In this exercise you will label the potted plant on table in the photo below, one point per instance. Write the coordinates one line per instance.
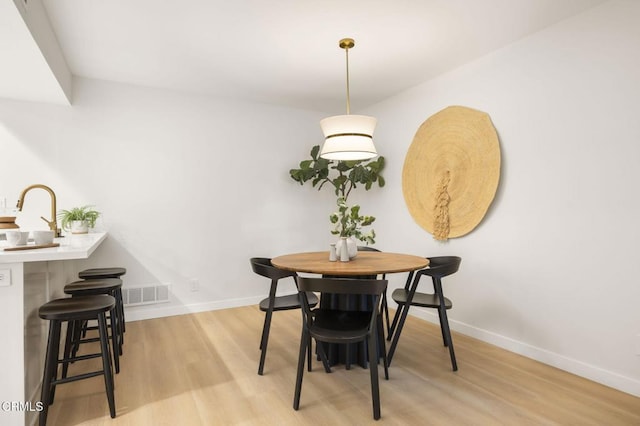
(343, 177)
(78, 220)
(349, 225)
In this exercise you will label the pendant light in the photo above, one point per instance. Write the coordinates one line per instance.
(348, 137)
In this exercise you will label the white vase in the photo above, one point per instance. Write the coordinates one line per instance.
(79, 227)
(343, 250)
(352, 246)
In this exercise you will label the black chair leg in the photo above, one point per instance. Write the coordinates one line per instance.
(364, 350)
(448, 342)
(119, 310)
(106, 363)
(85, 325)
(120, 305)
(401, 306)
(50, 370)
(385, 310)
(383, 349)
(265, 340)
(396, 334)
(79, 333)
(264, 329)
(442, 320)
(115, 338)
(394, 323)
(373, 369)
(403, 316)
(69, 344)
(303, 343)
(309, 348)
(444, 323)
(323, 357)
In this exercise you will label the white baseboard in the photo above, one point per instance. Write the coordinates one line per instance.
(138, 313)
(579, 368)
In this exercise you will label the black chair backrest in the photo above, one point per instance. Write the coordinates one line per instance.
(441, 266)
(262, 266)
(367, 248)
(342, 285)
(371, 287)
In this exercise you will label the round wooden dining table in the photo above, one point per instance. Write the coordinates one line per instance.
(365, 263)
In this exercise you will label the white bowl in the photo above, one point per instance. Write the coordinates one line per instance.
(17, 238)
(43, 237)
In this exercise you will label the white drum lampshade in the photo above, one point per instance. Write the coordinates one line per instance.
(348, 137)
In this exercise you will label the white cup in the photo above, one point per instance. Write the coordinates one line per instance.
(24, 237)
(17, 238)
(13, 237)
(43, 237)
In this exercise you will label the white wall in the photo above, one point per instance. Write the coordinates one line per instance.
(191, 187)
(552, 271)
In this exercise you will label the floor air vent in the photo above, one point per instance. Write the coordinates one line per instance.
(148, 295)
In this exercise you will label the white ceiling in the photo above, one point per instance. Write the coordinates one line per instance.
(24, 71)
(284, 51)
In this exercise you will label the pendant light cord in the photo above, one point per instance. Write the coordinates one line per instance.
(346, 44)
(346, 51)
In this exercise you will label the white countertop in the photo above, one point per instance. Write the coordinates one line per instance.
(78, 246)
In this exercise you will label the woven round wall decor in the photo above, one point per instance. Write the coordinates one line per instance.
(451, 171)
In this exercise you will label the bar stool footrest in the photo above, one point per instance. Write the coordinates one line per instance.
(78, 377)
(79, 358)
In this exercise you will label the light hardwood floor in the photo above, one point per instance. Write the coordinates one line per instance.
(201, 369)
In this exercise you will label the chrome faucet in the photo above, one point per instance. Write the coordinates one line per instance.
(53, 224)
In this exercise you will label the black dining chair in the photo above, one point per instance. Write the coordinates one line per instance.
(342, 327)
(262, 266)
(438, 268)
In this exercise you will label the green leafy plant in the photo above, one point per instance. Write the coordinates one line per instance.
(86, 213)
(343, 177)
(349, 223)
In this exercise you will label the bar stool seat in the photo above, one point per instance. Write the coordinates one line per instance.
(112, 272)
(69, 310)
(93, 286)
(109, 286)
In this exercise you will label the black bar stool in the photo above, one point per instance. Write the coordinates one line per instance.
(108, 286)
(109, 272)
(70, 310)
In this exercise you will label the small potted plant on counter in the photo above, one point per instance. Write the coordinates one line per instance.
(78, 220)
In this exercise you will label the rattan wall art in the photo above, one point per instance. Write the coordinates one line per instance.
(451, 171)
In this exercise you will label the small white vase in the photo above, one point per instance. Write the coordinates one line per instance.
(352, 246)
(79, 227)
(343, 250)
